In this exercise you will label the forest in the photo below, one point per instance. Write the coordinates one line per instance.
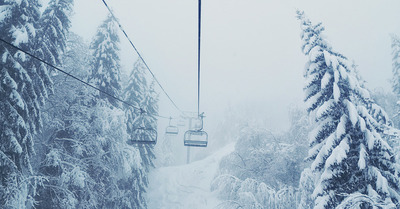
(81, 128)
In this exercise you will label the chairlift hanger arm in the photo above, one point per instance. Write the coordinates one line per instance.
(198, 61)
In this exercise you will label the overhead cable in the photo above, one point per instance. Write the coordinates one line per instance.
(140, 56)
(80, 80)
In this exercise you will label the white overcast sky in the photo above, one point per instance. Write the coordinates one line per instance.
(251, 55)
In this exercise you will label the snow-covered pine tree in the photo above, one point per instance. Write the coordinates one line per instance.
(19, 105)
(106, 62)
(141, 95)
(135, 94)
(67, 139)
(54, 26)
(49, 45)
(396, 75)
(150, 105)
(392, 132)
(396, 64)
(106, 75)
(50, 41)
(85, 156)
(347, 151)
(385, 126)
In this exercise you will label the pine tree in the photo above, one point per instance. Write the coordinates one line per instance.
(151, 107)
(19, 105)
(392, 132)
(106, 67)
(67, 140)
(86, 159)
(347, 150)
(55, 24)
(396, 64)
(141, 95)
(396, 75)
(50, 42)
(135, 94)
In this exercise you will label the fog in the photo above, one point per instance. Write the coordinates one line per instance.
(251, 57)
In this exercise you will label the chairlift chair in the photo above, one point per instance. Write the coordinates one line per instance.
(196, 138)
(171, 129)
(144, 136)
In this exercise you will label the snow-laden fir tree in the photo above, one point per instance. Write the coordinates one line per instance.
(106, 76)
(19, 105)
(347, 151)
(396, 64)
(121, 191)
(106, 62)
(150, 105)
(141, 95)
(135, 94)
(396, 75)
(67, 139)
(385, 125)
(54, 26)
(50, 41)
(84, 154)
(392, 132)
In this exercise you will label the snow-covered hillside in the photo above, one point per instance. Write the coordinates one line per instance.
(185, 186)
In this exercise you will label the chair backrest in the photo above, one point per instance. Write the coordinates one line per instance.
(194, 138)
(143, 135)
(171, 130)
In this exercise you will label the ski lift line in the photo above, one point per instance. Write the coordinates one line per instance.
(80, 80)
(140, 56)
(198, 62)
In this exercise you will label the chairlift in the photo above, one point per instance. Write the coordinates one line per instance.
(196, 137)
(142, 134)
(171, 130)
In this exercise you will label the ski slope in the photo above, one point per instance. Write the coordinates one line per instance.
(185, 186)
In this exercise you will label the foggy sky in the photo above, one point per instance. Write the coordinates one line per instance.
(251, 55)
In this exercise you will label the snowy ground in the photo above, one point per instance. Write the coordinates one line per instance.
(185, 186)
